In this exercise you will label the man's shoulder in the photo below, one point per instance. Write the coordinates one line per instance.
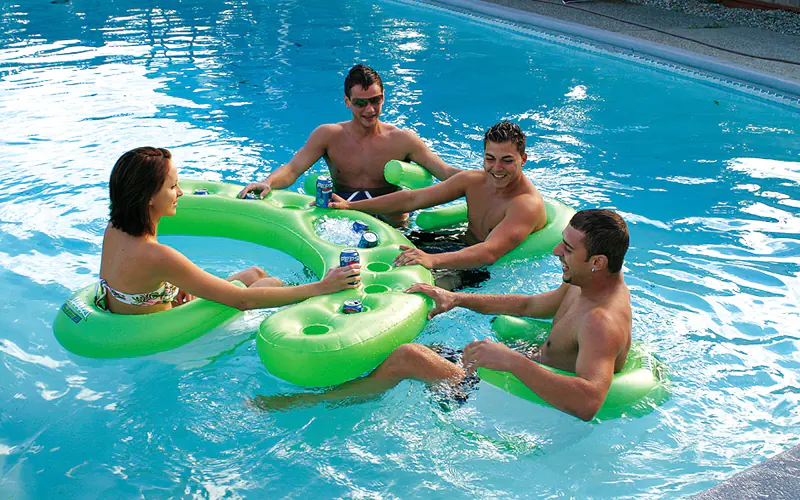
(606, 324)
(396, 133)
(331, 128)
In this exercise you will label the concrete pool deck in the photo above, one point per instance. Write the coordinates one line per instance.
(777, 76)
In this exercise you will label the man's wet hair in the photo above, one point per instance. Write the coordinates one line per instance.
(506, 132)
(606, 234)
(136, 177)
(363, 75)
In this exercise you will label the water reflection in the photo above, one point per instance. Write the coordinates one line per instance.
(234, 88)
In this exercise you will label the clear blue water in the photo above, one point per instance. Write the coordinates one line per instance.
(707, 178)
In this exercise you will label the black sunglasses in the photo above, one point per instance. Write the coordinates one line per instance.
(362, 103)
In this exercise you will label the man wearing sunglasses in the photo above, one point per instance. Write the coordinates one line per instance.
(357, 150)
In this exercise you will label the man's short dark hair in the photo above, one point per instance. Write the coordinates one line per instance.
(606, 234)
(362, 75)
(136, 177)
(506, 132)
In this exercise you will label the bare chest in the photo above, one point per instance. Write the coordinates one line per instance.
(560, 350)
(485, 212)
(359, 163)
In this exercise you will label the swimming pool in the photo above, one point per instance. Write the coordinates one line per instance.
(706, 175)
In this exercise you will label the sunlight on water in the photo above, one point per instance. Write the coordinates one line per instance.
(707, 178)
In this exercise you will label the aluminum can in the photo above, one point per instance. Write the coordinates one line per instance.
(352, 307)
(360, 227)
(368, 240)
(324, 191)
(349, 256)
(200, 191)
(251, 196)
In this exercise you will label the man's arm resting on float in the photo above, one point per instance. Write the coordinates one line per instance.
(581, 395)
(179, 270)
(422, 155)
(285, 175)
(408, 200)
(542, 305)
(518, 223)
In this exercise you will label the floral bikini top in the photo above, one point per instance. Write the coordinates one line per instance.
(164, 295)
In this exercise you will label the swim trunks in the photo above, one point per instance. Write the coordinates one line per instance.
(458, 394)
(354, 194)
(445, 241)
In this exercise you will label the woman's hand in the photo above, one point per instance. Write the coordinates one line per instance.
(341, 278)
(182, 298)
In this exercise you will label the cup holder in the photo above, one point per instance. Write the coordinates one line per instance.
(316, 329)
(378, 267)
(292, 207)
(373, 289)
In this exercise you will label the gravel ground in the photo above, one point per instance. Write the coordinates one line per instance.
(781, 21)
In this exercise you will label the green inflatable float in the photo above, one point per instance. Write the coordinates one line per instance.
(90, 331)
(413, 176)
(311, 343)
(634, 391)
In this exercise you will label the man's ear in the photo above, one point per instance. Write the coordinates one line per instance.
(598, 262)
(524, 158)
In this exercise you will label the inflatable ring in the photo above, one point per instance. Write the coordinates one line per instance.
(311, 343)
(634, 391)
(542, 242)
(87, 330)
(413, 176)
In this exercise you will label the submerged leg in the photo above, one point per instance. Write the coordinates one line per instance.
(256, 277)
(409, 361)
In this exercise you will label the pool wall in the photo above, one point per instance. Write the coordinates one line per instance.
(684, 61)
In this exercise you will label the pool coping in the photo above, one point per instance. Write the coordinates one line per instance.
(749, 79)
(778, 477)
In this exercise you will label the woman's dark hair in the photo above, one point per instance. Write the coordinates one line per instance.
(506, 132)
(361, 75)
(606, 234)
(137, 176)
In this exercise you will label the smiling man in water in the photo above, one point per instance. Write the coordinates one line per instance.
(590, 337)
(357, 150)
(504, 207)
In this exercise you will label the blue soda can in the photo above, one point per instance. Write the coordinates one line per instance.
(349, 256)
(368, 240)
(352, 307)
(251, 196)
(324, 191)
(200, 191)
(360, 227)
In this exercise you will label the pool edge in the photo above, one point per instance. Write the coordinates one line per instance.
(777, 477)
(789, 88)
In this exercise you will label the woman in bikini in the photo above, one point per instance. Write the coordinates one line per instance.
(139, 275)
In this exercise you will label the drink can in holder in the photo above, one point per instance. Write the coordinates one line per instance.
(368, 240)
(352, 307)
(324, 191)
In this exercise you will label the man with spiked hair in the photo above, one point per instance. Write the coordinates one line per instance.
(590, 337)
(504, 207)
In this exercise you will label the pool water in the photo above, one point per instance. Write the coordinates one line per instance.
(707, 177)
